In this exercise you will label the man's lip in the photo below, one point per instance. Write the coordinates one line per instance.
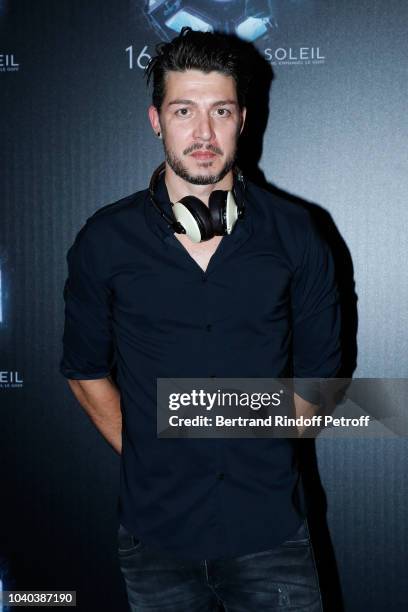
(203, 154)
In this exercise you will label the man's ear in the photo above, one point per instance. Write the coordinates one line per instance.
(243, 117)
(154, 119)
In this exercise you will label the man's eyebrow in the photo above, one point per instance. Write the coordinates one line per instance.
(224, 102)
(192, 103)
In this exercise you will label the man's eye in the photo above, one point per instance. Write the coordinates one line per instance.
(223, 112)
(182, 111)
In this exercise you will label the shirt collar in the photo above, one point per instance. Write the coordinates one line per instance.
(155, 221)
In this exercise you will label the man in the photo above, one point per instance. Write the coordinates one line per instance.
(203, 522)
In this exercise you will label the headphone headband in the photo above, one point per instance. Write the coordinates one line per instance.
(171, 221)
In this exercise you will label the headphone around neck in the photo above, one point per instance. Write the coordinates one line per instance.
(198, 221)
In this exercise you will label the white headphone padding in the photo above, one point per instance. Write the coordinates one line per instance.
(184, 216)
(231, 212)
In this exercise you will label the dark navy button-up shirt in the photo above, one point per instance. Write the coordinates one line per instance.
(136, 304)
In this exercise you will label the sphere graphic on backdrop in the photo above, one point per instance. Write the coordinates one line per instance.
(248, 20)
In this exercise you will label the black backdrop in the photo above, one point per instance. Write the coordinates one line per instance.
(75, 137)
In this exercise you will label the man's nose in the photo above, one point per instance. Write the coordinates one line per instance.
(204, 128)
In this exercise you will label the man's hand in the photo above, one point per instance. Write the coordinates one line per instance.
(100, 398)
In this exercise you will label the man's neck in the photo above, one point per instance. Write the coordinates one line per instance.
(179, 188)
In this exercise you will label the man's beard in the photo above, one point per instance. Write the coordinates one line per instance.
(177, 166)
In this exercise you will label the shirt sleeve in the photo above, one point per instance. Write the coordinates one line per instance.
(316, 316)
(88, 348)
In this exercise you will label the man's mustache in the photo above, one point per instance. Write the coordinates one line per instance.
(197, 147)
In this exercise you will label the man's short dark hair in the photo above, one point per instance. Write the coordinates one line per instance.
(205, 51)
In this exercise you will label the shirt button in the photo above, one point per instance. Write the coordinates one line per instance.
(220, 475)
(208, 327)
(204, 279)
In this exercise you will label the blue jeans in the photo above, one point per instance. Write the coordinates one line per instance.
(282, 578)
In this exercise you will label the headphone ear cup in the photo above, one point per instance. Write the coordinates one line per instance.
(231, 212)
(216, 204)
(224, 211)
(195, 217)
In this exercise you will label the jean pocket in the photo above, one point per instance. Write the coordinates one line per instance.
(127, 542)
(300, 538)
